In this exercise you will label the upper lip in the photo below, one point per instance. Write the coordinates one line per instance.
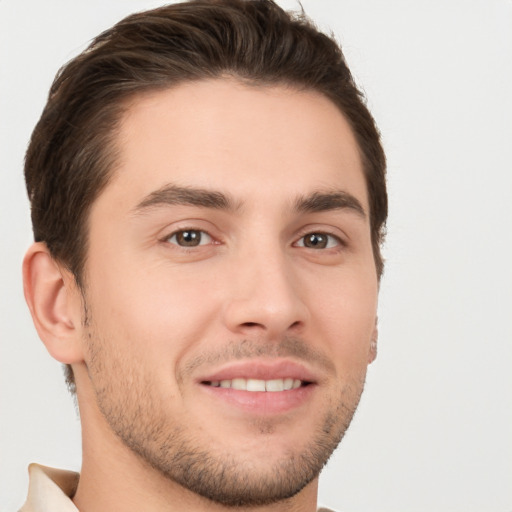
(262, 370)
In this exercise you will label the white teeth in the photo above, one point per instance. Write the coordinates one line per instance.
(255, 385)
(272, 385)
(239, 384)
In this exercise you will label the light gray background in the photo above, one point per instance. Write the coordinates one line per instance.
(434, 428)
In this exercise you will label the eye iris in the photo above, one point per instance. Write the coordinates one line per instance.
(188, 238)
(315, 241)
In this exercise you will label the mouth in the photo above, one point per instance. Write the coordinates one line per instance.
(261, 387)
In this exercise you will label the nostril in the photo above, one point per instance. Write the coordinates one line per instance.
(253, 325)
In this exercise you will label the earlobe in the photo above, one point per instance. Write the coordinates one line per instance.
(54, 303)
(372, 353)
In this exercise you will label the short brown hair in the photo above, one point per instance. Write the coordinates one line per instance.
(72, 152)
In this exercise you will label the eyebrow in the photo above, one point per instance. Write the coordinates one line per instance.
(326, 201)
(170, 195)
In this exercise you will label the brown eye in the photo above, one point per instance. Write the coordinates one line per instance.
(319, 241)
(190, 238)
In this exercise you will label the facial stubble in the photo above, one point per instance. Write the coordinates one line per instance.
(140, 420)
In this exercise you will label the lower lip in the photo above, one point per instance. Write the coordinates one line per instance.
(262, 402)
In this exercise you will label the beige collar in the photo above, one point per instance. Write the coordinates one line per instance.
(50, 490)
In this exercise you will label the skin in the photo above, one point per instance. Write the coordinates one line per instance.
(156, 318)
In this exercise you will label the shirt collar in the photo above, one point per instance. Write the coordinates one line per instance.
(50, 490)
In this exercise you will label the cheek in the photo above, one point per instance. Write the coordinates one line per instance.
(153, 314)
(346, 312)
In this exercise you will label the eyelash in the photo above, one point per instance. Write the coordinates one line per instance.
(333, 241)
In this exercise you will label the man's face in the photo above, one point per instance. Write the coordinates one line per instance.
(231, 289)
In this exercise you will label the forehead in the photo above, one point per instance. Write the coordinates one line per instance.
(256, 141)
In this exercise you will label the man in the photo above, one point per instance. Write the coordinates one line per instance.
(208, 202)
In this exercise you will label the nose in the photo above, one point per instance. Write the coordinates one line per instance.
(265, 297)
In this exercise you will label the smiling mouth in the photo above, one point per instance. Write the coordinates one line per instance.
(257, 385)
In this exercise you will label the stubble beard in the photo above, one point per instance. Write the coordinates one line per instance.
(141, 423)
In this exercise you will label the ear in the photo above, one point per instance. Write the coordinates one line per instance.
(55, 303)
(372, 353)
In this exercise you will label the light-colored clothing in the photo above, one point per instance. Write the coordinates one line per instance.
(51, 490)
